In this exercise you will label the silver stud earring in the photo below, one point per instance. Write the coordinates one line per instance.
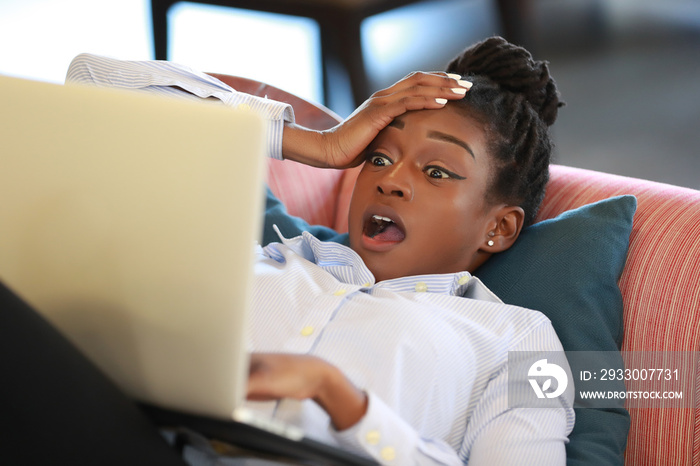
(490, 243)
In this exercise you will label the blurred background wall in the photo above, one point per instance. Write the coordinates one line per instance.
(629, 70)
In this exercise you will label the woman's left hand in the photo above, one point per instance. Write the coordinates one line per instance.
(274, 376)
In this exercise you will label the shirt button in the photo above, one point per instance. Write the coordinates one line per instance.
(421, 287)
(306, 331)
(388, 454)
(464, 279)
(373, 437)
(366, 285)
(340, 292)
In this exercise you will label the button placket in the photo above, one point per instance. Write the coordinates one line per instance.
(373, 437)
(315, 325)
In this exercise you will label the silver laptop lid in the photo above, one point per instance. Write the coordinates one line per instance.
(128, 221)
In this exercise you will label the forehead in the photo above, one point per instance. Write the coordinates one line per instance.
(449, 121)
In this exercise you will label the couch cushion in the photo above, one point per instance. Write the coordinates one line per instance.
(307, 192)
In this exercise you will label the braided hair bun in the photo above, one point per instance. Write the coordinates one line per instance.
(514, 70)
(516, 100)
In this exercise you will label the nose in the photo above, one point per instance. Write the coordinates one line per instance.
(396, 182)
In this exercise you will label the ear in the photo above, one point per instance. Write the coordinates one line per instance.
(508, 222)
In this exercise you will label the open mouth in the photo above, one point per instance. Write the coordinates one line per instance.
(383, 229)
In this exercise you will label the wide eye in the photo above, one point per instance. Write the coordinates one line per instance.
(438, 173)
(379, 160)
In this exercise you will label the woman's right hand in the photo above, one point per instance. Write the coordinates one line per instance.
(343, 145)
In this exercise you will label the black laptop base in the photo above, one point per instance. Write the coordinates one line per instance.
(306, 451)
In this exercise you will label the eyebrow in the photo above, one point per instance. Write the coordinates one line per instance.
(454, 140)
(399, 124)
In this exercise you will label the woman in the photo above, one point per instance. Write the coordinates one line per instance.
(445, 185)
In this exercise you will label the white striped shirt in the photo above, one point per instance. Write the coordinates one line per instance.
(169, 79)
(429, 350)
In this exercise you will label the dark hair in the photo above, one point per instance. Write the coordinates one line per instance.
(517, 100)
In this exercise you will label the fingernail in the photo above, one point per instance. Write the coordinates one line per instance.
(459, 90)
(465, 84)
(441, 101)
(454, 76)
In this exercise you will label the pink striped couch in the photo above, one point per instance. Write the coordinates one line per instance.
(660, 283)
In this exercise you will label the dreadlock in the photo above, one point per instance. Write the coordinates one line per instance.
(517, 100)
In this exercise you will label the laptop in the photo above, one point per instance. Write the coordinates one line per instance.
(128, 221)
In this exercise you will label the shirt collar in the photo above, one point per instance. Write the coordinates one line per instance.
(347, 266)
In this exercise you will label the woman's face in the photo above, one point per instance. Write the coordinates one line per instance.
(419, 202)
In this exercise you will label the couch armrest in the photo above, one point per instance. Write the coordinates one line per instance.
(660, 287)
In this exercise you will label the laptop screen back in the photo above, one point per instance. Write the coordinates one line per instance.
(128, 221)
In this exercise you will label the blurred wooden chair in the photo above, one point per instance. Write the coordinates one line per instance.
(339, 21)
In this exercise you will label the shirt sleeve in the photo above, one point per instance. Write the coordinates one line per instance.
(497, 434)
(389, 440)
(505, 431)
(171, 79)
